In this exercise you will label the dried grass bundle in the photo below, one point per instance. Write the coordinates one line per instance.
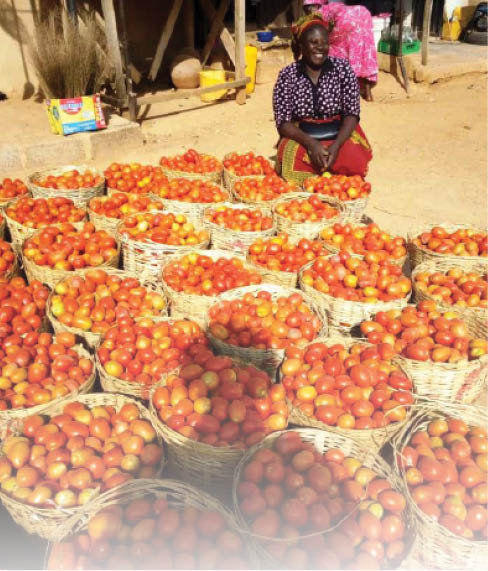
(67, 57)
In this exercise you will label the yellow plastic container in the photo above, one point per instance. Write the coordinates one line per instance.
(251, 58)
(209, 77)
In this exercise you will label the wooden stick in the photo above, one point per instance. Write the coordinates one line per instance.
(426, 31)
(164, 39)
(225, 36)
(114, 47)
(189, 14)
(217, 25)
(406, 83)
(240, 33)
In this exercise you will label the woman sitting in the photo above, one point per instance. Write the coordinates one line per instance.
(316, 109)
(351, 38)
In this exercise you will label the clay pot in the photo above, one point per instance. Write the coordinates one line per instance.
(185, 70)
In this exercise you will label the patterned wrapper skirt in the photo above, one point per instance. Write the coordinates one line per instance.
(352, 159)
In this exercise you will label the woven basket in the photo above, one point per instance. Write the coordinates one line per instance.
(309, 230)
(7, 417)
(342, 314)
(370, 439)
(230, 178)
(19, 233)
(211, 177)
(194, 306)
(267, 359)
(283, 279)
(476, 318)
(90, 338)
(334, 250)
(226, 239)
(149, 257)
(422, 254)
(178, 495)
(51, 277)
(322, 441)
(436, 547)
(12, 272)
(80, 196)
(462, 381)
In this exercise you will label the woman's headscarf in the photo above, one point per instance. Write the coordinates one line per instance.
(303, 24)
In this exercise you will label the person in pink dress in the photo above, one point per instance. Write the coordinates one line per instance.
(351, 38)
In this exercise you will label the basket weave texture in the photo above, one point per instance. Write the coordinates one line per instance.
(211, 177)
(353, 209)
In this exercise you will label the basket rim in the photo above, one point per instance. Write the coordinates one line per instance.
(353, 201)
(61, 170)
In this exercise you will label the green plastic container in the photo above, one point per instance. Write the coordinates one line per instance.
(391, 47)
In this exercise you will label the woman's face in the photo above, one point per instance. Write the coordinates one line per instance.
(315, 46)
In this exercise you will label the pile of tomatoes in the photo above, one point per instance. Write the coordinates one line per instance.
(142, 351)
(291, 492)
(464, 242)
(191, 190)
(66, 460)
(122, 204)
(353, 279)
(7, 257)
(218, 402)
(263, 189)
(343, 187)
(12, 188)
(22, 306)
(454, 287)
(192, 162)
(40, 212)
(422, 333)
(197, 274)
(248, 164)
(151, 533)
(280, 255)
(445, 466)
(239, 219)
(310, 209)
(171, 229)
(134, 178)
(65, 248)
(368, 241)
(71, 180)
(258, 321)
(94, 301)
(350, 388)
(38, 368)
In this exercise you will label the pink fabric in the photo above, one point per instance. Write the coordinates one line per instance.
(312, 2)
(352, 38)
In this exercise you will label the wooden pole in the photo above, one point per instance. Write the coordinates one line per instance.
(225, 36)
(240, 34)
(131, 97)
(215, 29)
(400, 49)
(189, 14)
(426, 31)
(164, 39)
(114, 49)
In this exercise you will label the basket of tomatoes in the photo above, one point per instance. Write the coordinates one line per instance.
(193, 165)
(347, 387)
(262, 191)
(27, 215)
(458, 286)
(168, 525)
(55, 252)
(10, 190)
(212, 409)
(246, 166)
(192, 281)
(78, 183)
(190, 196)
(279, 259)
(311, 499)
(303, 216)
(236, 226)
(441, 457)
(149, 238)
(456, 242)
(255, 324)
(348, 290)
(41, 374)
(352, 191)
(63, 464)
(435, 349)
(8, 261)
(106, 211)
(365, 241)
(134, 354)
(88, 304)
(133, 178)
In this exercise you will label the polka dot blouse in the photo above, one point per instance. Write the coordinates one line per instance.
(295, 96)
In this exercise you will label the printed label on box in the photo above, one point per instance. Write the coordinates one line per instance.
(75, 115)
